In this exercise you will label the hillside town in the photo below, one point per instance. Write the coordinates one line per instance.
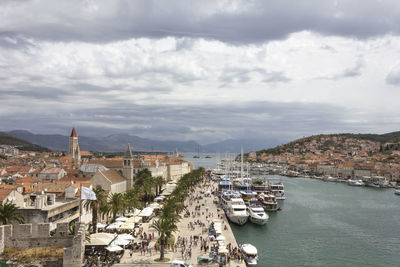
(45, 191)
(334, 156)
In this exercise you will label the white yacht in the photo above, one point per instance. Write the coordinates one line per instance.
(257, 214)
(276, 187)
(250, 254)
(226, 197)
(236, 211)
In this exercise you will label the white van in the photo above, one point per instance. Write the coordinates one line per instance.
(178, 263)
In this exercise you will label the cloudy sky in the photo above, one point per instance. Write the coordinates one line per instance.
(200, 70)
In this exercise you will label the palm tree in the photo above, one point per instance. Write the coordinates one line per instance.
(131, 199)
(8, 214)
(116, 204)
(147, 189)
(158, 182)
(164, 227)
(95, 204)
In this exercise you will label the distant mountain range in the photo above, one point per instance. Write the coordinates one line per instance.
(118, 142)
(6, 139)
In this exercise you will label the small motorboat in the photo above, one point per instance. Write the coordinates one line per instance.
(250, 254)
(397, 192)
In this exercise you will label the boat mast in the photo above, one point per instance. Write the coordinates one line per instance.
(241, 162)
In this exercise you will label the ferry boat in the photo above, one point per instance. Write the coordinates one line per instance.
(236, 211)
(250, 254)
(257, 214)
(276, 187)
(268, 201)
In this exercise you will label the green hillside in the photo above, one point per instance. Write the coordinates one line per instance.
(6, 139)
(393, 137)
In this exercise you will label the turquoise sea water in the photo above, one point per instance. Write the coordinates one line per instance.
(326, 224)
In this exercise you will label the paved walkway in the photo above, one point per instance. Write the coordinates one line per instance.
(195, 225)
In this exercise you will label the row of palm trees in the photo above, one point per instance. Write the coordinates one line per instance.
(143, 191)
(169, 216)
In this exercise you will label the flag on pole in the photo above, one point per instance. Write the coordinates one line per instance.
(87, 193)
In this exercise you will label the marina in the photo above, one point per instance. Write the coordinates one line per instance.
(321, 222)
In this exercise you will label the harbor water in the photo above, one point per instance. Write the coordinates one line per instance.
(326, 224)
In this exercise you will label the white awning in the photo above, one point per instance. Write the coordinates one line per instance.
(146, 212)
(121, 219)
(126, 236)
(220, 237)
(120, 242)
(114, 248)
(100, 239)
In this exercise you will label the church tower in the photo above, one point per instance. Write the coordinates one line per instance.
(73, 150)
(127, 170)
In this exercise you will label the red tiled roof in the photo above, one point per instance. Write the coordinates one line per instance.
(73, 133)
(113, 176)
(4, 193)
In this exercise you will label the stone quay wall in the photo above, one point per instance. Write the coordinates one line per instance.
(38, 235)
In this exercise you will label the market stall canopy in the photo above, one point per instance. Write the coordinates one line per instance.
(121, 219)
(146, 212)
(126, 236)
(220, 237)
(134, 219)
(101, 239)
(120, 242)
(127, 226)
(115, 225)
(114, 248)
(101, 225)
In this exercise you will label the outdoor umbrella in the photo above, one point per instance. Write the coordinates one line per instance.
(114, 248)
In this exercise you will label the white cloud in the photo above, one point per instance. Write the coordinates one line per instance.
(87, 81)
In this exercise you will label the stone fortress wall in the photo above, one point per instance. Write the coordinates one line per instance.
(38, 235)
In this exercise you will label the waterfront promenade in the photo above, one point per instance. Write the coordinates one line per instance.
(202, 212)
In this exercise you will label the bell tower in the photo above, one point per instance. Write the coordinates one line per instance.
(127, 170)
(73, 150)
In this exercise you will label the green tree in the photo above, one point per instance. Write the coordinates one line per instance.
(159, 182)
(8, 214)
(164, 227)
(131, 199)
(116, 204)
(94, 205)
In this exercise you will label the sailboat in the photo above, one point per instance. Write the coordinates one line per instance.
(198, 153)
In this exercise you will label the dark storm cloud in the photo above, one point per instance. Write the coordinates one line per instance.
(231, 21)
(177, 122)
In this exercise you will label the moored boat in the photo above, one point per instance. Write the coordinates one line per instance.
(250, 254)
(236, 211)
(356, 183)
(268, 201)
(257, 214)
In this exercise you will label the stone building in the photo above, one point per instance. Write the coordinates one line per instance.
(73, 149)
(111, 181)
